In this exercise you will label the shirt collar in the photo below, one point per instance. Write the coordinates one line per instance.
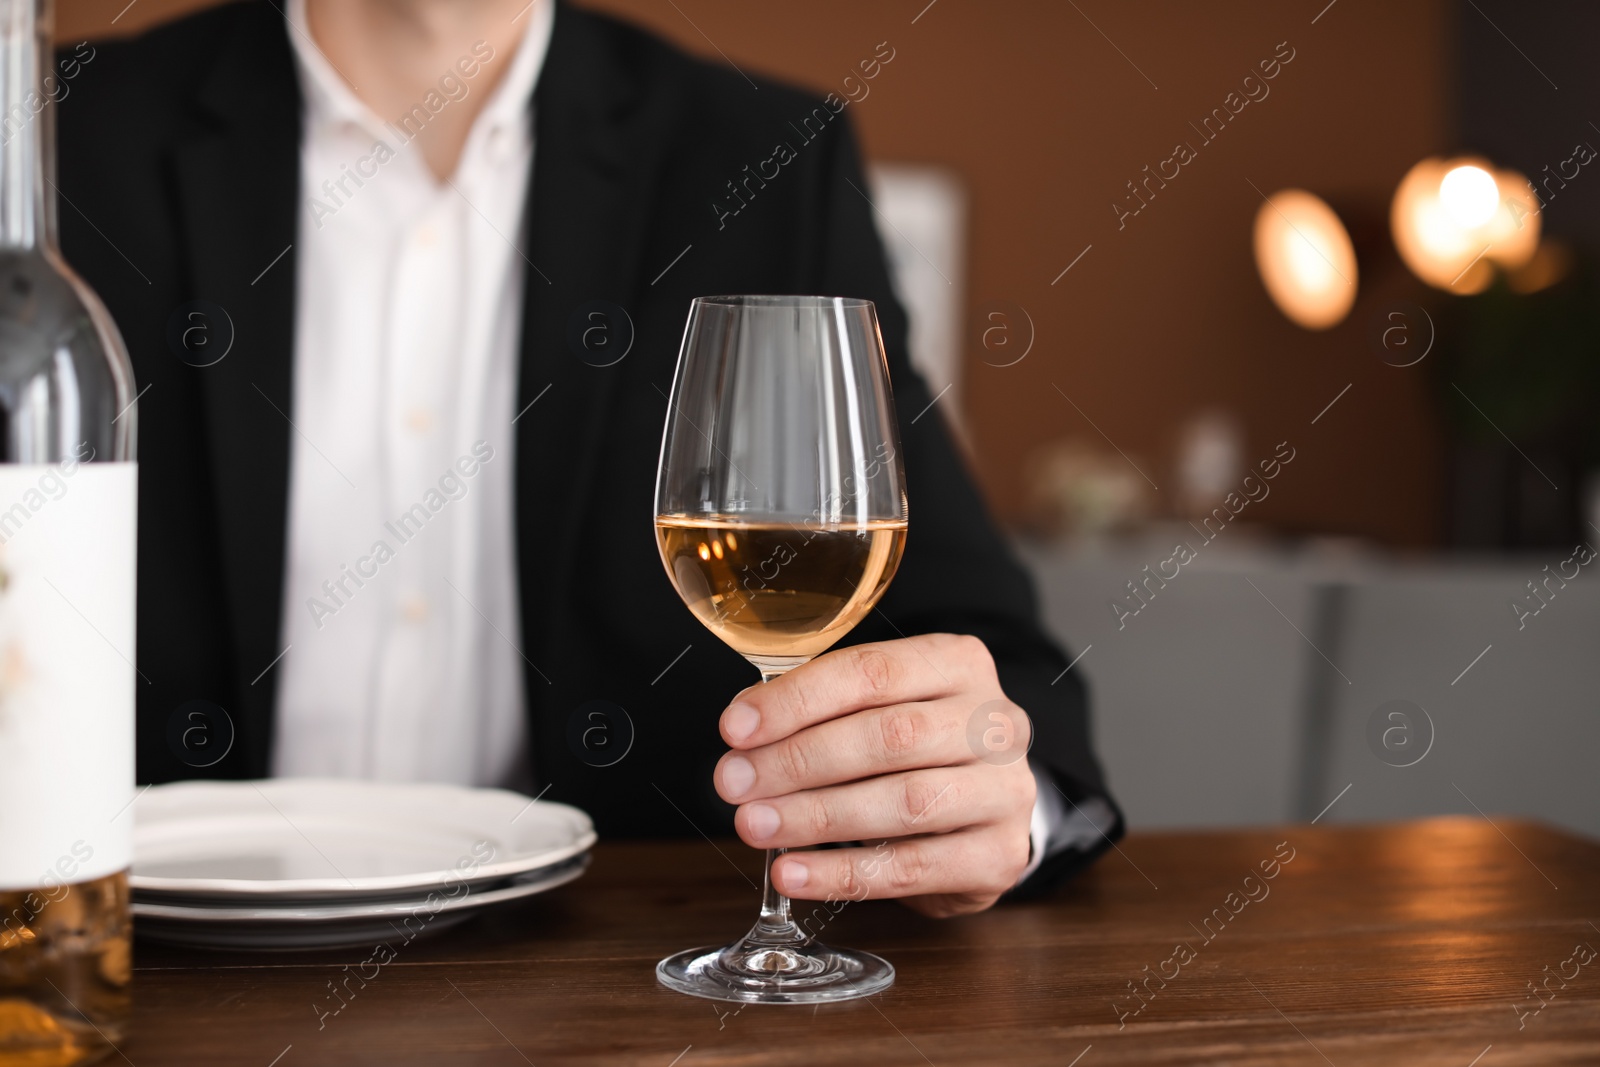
(330, 101)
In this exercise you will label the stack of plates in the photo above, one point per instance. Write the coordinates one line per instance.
(290, 863)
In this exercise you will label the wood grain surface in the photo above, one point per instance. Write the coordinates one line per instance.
(1413, 944)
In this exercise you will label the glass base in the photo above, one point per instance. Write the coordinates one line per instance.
(755, 970)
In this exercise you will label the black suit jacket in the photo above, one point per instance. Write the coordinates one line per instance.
(179, 176)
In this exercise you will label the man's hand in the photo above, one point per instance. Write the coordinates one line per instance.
(882, 743)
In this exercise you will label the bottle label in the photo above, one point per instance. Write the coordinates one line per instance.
(66, 671)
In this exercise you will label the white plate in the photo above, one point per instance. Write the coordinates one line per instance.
(286, 840)
(395, 922)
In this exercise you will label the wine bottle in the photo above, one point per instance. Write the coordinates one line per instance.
(67, 511)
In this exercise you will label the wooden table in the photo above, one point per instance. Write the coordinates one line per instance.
(1406, 944)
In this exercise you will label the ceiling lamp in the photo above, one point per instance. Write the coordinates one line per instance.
(1454, 219)
(1469, 195)
(1305, 257)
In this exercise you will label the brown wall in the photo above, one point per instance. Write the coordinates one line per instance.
(1046, 120)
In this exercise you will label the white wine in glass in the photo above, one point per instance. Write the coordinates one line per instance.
(781, 518)
(778, 591)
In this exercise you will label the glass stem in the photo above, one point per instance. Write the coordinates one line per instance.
(774, 905)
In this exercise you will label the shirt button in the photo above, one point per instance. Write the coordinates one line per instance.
(419, 420)
(499, 144)
(413, 608)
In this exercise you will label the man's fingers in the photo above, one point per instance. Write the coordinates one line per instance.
(864, 676)
(895, 805)
(977, 861)
(901, 737)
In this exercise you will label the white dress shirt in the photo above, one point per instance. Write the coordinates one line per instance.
(400, 589)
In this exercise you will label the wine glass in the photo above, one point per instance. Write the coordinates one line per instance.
(781, 517)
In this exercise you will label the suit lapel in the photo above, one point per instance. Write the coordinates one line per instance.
(238, 182)
(599, 143)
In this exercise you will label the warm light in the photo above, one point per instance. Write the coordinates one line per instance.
(1451, 228)
(1306, 260)
(732, 544)
(1470, 195)
(1552, 261)
(1513, 231)
(705, 551)
(716, 549)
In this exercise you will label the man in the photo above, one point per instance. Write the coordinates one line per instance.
(394, 518)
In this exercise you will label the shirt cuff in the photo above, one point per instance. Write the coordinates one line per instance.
(1053, 829)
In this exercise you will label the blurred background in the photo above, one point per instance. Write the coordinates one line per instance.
(1369, 411)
